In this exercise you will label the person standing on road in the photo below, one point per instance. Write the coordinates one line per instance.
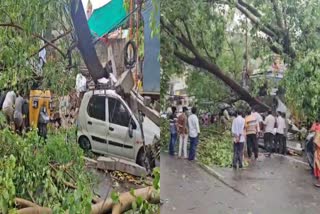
(173, 131)
(237, 130)
(194, 132)
(17, 116)
(316, 169)
(286, 130)
(183, 133)
(269, 123)
(259, 118)
(280, 143)
(8, 106)
(252, 129)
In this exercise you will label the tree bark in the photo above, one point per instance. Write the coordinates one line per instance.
(125, 201)
(35, 210)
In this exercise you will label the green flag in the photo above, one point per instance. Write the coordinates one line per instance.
(107, 18)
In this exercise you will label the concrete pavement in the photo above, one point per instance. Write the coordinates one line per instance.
(271, 185)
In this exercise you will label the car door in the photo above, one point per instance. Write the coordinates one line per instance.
(96, 123)
(119, 117)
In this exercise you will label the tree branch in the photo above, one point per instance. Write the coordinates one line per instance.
(52, 41)
(200, 62)
(278, 14)
(250, 8)
(182, 39)
(187, 30)
(34, 35)
(186, 58)
(205, 48)
(256, 21)
(274, 48)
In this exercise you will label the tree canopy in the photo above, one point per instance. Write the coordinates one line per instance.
(199, 32)
(23, 33)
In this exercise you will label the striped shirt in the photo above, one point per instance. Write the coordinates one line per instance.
(251, 124)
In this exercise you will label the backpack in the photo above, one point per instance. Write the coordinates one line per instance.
(2, 98)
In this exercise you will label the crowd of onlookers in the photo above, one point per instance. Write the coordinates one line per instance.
(15, 108)
(184, 126)
(248, 127)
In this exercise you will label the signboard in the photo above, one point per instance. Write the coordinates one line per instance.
(151, 64)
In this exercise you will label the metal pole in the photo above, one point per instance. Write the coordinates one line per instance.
(246, 53)
(131, 18)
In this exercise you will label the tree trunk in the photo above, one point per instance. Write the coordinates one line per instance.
(244, 95)
(125, 201)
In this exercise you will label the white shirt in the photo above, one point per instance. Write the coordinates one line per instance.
(238, 128)
(10, 100)
(81, 83)
(269, 122)
(281, 125)
(193, 124)
(258, 116)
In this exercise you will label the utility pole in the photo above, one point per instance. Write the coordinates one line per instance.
(246, 74)
(131, 19)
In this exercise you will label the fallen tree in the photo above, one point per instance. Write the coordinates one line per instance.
(124, 204)
(125, 201)
(198, 60)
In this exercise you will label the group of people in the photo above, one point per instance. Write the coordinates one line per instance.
(184, 126)
(15, 108)
(247, 129)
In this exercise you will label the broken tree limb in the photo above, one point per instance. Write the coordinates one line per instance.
(20, 202)
(66, 183)
(126, 199)
(96, 199)
(102, 207)
(35, 210)
(52, 41)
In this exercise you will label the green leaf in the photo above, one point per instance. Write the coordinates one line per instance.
(115, 197)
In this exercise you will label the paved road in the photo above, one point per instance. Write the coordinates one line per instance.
(271, 185)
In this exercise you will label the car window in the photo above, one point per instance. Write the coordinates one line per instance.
(97, 107)
(118, 113)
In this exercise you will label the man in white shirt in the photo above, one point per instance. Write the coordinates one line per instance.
(81, 87)
(281, 128)
(194, 131)
(259, 118)
(8, 106)
(269, 123)
(238, 125)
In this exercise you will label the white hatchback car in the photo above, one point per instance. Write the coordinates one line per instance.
(106, 125)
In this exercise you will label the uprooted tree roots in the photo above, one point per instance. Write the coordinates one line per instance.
(103, 206)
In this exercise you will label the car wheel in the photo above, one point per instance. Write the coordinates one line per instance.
(146, 162)
(84, 143)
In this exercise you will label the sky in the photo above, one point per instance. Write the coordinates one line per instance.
(95, 3)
